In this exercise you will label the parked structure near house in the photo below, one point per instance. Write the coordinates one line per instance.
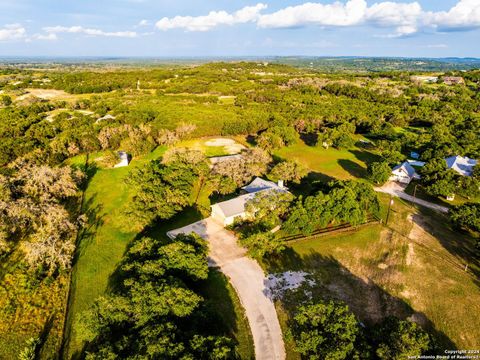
(453, 80)
(462, 165)
(124, 159)
(404, 173)
(416, 163)
(227, 212)
(414, 155)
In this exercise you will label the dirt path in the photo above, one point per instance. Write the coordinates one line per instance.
(396, 189)
(248, 279)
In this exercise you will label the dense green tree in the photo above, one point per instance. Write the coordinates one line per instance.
(466, 216)
(152, 315)
(399, 339)
(378, 172)
(262, 243)
(325, 330)
(166, 187)
(287, 171)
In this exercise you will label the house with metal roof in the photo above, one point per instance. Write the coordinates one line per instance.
(404, 173)
(227, 212)
(461, 164)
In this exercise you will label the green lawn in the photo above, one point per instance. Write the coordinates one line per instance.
(104, 241)
(329, 163)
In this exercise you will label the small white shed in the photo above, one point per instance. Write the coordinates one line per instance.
(124, 159)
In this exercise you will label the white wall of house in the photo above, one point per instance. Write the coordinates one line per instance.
(404, 179)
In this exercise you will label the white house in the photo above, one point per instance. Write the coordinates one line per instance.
(404, 173)
(124, 159)
(227, 211)
(462, 165)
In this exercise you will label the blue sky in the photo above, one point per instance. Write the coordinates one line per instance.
(160, 28)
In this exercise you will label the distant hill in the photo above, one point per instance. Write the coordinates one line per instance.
(324, 64)
(378, 64)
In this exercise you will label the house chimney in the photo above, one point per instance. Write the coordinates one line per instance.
(280, 183)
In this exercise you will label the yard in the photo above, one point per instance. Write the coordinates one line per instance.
(329, 163)
(413, 268)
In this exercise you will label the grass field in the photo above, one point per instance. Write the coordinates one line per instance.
(413, 268)
(102, 245)
(329, 163)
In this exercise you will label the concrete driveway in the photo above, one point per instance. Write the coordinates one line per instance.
(396, 189)
(248, 279)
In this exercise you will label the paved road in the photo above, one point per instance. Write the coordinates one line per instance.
(397, 189)
(247, 278)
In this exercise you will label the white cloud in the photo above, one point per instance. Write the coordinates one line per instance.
(335, 14)
(212, 20)
(12, 32)
(464, 15)
(404, 18)
(49, 36)
(143, 23)
(88, 31)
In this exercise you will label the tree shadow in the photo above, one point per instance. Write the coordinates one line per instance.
(43, 336)
(311, 183)
(463, 247)
(309, 139)
(217, 314)
(86, 235)
(368, 301)
(352, 168)
(156, 230)
(365, 156)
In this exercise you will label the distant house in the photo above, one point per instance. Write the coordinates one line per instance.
(404, 173)
(124, 159)
(227, 212)
(424, 79)
(453, 80)
(462, 165)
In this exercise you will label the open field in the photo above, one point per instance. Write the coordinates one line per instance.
(413, 268)
(329, 163)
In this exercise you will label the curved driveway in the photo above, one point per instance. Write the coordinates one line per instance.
(247, 278)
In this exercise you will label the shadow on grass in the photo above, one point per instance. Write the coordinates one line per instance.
(368, 301)
(157, 230)
(366, 156)
(352, 168)
(457, 242)
(94, 221)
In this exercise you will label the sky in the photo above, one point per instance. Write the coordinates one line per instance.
(200, 28)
